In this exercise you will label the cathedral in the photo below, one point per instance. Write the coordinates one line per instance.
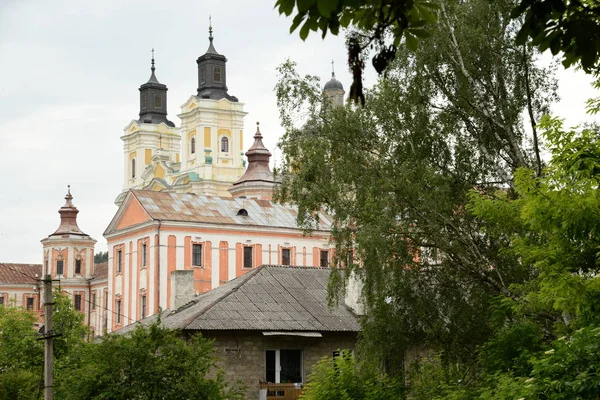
(194, 198)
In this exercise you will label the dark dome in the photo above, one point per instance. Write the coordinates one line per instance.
(334, 84)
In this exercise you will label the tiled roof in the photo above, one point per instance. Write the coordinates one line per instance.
(19, 273)
(267, 298)
(189, 207)
(101, 270)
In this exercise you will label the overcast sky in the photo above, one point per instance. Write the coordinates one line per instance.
(69, 77)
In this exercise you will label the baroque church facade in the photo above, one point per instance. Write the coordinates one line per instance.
(190, 202)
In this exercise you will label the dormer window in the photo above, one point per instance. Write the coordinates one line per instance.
(225, 144)
(193, 146)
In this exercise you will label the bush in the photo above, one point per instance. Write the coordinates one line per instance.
(344, 378)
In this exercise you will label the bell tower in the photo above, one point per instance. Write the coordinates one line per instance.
(151, 143)
(212, 123)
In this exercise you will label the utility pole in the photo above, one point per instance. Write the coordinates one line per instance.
(48, 341)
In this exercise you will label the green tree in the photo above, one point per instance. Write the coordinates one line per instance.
(396, 176)
(21, 351)
(151, 363)
(100, 257)
(379, 26)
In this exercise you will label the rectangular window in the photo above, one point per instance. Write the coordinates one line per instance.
(283, 366)
(93, 305)
(324, 258)
(118, 311)
(285, 256)
(1, 300)
(119, 261)
(78, 266)
(77, 302)
(217, 75)
(196, 255)
(60, 264)
(143, 306)
(248, 257)
(29, 305)
(144, 252)
(157, 101)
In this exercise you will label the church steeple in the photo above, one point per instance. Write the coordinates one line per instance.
(153, 100)
(212, 73)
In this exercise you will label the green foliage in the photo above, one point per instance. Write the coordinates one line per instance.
(570, 27)
(19, 347)
(100, 257)
(152, 363)
(396, 177)
(20, 384)
(20, 355)
(346, 379)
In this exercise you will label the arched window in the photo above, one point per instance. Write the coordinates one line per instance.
(225, 144)
(193, 146)
(133, 168)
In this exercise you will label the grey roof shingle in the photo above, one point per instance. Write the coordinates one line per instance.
(270, 297)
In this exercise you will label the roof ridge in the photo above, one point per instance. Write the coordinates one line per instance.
(249, 275)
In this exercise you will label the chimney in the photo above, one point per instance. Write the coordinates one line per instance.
(182, 288)
(354, 293)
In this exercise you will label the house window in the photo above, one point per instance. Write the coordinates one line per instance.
(225, 144)
(144, 102)
(93, 305)
(143, 306)
(144, 252)
(1, 300)
(284, 366)
(193, 146)
(78, 266)
(285, 256)
(157, 101)
(119, 261)
(217, 74)
(196, 255)
(247, 257)
(77, 302)
(324, 258)
(132, 168)
(60, 265)
(118, 311)
(29, 304)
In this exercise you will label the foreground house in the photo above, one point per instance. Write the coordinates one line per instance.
(269, 326)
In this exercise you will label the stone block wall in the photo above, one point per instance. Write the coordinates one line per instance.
(241, 354)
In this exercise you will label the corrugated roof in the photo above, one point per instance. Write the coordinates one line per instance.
(188, 207)
(269, 298)
(19, 273)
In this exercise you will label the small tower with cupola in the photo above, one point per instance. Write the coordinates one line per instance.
(258, 181)
(334, 89)
(69, 256)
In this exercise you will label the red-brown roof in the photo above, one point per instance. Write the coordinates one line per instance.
(101, 270)
(19, 273)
